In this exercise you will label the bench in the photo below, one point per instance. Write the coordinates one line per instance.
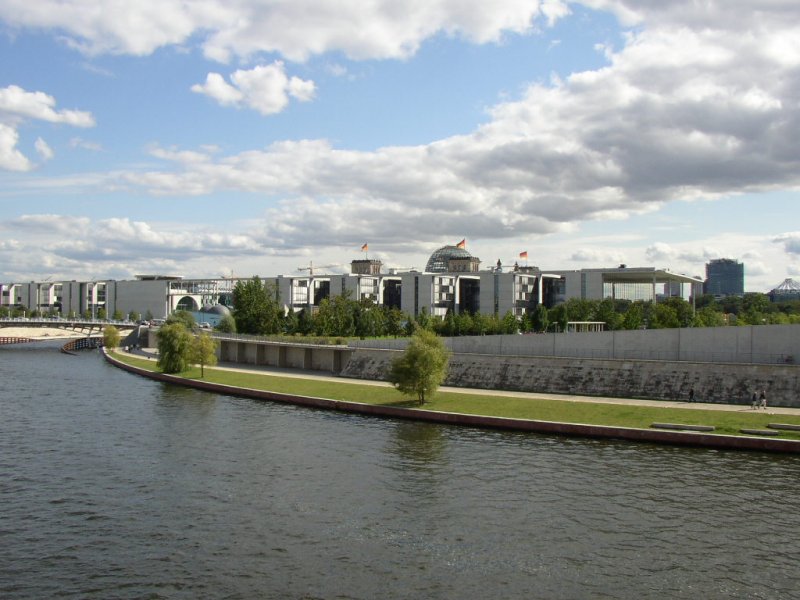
(786, 426)
(682, 427)
(760, 431)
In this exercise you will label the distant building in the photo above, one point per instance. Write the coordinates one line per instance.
(788, 290)
(451, 282)
(724, 277)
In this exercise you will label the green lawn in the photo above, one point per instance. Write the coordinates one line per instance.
(593, 413)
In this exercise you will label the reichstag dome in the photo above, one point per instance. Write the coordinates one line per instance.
(439, 260)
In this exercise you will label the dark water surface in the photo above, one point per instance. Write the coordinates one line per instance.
(112, 486)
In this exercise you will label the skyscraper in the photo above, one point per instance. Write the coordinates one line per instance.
(724, 277)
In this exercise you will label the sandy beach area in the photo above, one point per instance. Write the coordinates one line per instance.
(39, 332)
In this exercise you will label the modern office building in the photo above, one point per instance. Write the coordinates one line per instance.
(724, 277)
(452, 281)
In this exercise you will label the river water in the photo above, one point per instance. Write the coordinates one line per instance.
(113, 486)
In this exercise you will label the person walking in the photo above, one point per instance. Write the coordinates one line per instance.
(763, 399)
(691, 394)
(754, 401)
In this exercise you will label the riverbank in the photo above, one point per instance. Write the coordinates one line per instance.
(589, 417)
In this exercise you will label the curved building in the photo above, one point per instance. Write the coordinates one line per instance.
(449, 259)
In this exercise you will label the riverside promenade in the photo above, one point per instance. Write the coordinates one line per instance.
(686, 438)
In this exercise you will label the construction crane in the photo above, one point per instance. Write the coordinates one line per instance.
(310, 268)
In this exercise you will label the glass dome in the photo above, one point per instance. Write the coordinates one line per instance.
(437, 263)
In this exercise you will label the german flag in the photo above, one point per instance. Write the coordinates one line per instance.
(462, 243)
(365, 247)
(524, 255)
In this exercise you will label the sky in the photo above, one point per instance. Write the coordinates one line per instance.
(210, 138)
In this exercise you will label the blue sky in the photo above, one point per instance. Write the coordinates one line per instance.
(201, 138)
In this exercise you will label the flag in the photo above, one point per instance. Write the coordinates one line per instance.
(524, 255)
(364, 248)
(462, 243)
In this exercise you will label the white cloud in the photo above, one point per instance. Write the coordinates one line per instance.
(78, 142)
(11, 159)
(790, 242)
(295, 30)
(265, 88)
(44, 150)
(691, 107)
(16, 103)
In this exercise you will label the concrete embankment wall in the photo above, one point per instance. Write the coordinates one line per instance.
(768, 344)
(655, 380)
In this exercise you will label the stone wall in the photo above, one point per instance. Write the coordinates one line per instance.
(766, 344)
(656, 380)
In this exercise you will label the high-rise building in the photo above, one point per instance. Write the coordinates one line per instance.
(724, 277)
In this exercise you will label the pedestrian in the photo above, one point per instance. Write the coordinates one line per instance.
(691, 394)
(754, 401)
(763, 399)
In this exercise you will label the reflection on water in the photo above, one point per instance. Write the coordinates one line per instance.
(114, 486)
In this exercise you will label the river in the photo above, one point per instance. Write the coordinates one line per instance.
(113, 486)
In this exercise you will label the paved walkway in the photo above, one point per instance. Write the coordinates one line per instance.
(302, 374)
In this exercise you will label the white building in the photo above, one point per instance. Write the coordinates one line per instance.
(452, 281)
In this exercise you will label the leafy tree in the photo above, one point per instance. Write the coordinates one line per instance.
(423, 319)
(226, 324)
(174, 341)
(422, 367)
(683, 310)
(708, 316)
(605, 311)
(117, 315)
(148, 316)
(291, 322)
(203, 351)
(111, 337)
(393, 321)
(255, 307)
(539, 319)
(634, 317)
(181, 316)
(4, 312)
(338, 315)
(558, 317)
(87, 315)
(305, 323)
(102, 315)
(510, 324)
(464, 324)
(579, 309)
(664, 317)
(134, 316)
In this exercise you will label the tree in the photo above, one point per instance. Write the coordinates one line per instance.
(134, 316)
(634, 317)
(110, 337)
(422, 367)
(117, 315)
(181, 316)
(664, 317)
(255, 308)
(102, 315)
(226, 324)
(203, 351)
(539, 319)
(558, 317)
(173, 347)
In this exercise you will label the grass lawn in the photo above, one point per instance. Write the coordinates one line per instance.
(593, 413)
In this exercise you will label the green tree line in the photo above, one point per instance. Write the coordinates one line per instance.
(258, 311)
